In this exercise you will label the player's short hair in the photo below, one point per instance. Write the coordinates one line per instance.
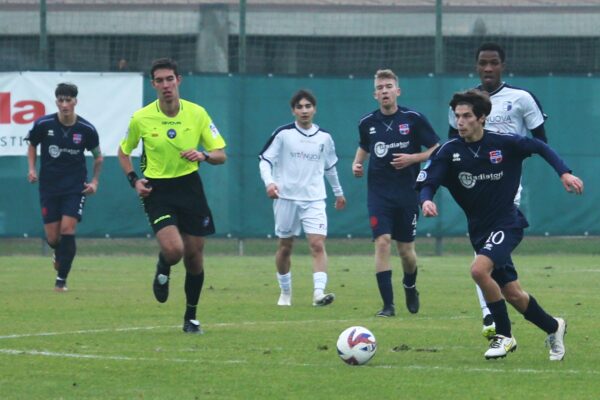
(478, 100)
(386, 74)
(303, 94)
(491, 46)
(164, 63)
(66, 89)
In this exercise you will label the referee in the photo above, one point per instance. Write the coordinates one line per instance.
(172, 130)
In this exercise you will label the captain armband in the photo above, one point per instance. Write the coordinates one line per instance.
(132, 178)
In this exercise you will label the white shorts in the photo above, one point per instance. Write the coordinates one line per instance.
(291, 216)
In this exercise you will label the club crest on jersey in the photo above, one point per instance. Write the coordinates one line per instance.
(77, 137)
(404, 129)
(171, 133)
(496, 156)
(507, 105)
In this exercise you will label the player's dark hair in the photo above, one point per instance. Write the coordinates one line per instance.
(478, 100)
(303, 94)
(491, 46)
(164, 63)
(66, 89)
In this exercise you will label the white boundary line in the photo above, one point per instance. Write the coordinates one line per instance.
(246, 323)
(476, 370)
(209, 325)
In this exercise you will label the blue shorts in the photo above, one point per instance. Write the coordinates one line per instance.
(400, 222)
(499, 246)
(55, 206)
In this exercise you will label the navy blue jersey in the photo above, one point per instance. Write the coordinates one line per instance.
(406, 131)
(483, 178)
(62, 165)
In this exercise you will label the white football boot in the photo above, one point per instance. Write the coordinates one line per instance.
(285, 299)
(500, 346)
(556, 341)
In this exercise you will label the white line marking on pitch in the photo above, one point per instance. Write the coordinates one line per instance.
(214, 325)
(288, 364)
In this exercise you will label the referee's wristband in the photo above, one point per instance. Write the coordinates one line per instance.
(132, 178)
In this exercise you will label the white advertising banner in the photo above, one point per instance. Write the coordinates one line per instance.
(107, 100)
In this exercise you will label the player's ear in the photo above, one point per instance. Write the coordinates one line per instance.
(398, 90)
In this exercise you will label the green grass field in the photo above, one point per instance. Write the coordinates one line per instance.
(107, 338)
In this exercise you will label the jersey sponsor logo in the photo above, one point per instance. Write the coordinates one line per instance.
(404, 129)
(77, 138)
(507, 105)
(381, 149)
(305, 156)
(469, 180)
(372, 130)
(214, 130)
(171, 133)
(456, 157)
(496, 156)
(498, 119)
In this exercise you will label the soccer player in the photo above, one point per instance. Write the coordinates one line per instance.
(482, 170)
(63, 138)
(392, 138)
(514, 110)
(172, 131)
(292, 165)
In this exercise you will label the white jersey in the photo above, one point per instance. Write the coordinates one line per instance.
(297, 160)
(514, 110)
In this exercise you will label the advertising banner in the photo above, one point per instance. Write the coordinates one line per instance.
(107, 100)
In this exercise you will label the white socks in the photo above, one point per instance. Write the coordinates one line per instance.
(320, 282)
(285, 282)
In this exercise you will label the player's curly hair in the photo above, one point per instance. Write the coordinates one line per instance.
(477, 99)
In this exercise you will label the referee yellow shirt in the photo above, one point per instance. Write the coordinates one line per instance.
(164, 138)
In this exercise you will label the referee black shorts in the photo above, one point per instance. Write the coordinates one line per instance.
(181, 202)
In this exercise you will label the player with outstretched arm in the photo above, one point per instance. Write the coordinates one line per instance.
(482, 171)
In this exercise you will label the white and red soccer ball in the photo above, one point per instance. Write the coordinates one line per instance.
(356, 345)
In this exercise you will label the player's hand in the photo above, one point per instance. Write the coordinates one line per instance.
(32, 176)
(272, 191)
(90, 188)
(143, 187)
(357, 170)
(402, 160)
(340, 202)
(429, 209)
(572, 183)
(192, 155)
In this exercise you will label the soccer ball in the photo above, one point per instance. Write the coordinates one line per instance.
(356, 345)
